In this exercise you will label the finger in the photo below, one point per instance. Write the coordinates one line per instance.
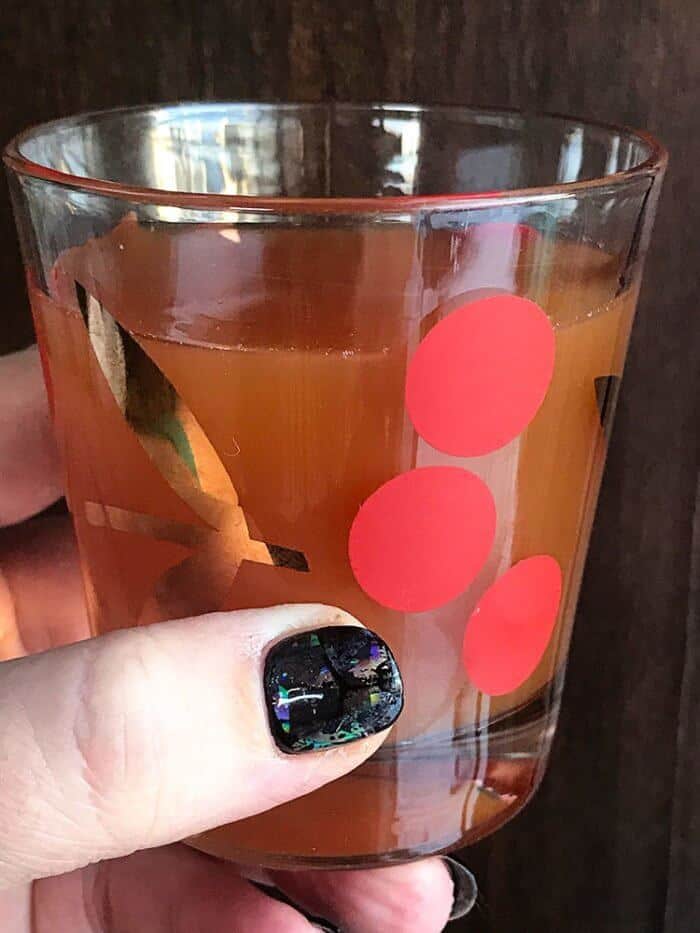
(417, 896)
(169, 890)
(29, 465)
(153, 734)
(39, 567)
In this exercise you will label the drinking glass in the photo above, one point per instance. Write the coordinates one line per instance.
(358, 355)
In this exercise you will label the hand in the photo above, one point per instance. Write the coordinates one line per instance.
(126, 743)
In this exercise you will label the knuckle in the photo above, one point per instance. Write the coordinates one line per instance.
(421, 900)
(115, 732)
(82, 772)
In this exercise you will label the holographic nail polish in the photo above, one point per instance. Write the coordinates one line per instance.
(331, 686)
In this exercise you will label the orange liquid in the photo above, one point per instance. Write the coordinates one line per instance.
(290, 349)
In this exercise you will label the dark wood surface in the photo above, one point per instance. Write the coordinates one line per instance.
(612, 842)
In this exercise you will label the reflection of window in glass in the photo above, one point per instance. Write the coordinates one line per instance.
(78, 154)
(613, 163)
(176, 162)
(248, 157)
(213, 156)
(402, 168)
(627, 154)
(488, 167)
(571, 155)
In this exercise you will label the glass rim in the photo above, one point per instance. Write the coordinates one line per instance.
(651, 166)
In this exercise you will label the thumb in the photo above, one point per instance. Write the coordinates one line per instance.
(146, 736)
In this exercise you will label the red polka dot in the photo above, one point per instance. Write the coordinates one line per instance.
(422, 537)
(479, 376)
(510, 628)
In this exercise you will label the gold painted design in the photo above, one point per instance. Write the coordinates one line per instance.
(175, 442)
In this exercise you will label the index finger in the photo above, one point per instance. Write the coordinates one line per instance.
(29, 464)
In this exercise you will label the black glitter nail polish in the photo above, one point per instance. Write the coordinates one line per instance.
(331, 686)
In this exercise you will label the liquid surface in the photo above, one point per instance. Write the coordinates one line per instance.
(275, 362)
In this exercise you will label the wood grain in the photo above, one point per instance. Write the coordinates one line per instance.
(612, 842)
(683, 897)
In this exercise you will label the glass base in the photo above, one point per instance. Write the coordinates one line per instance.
(442, 794)
(275, 862)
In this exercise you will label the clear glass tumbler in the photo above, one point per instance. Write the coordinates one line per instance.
(359, 355)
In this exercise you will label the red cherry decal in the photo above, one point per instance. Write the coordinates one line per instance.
(422, 537)
(511, 626)
(480, 375)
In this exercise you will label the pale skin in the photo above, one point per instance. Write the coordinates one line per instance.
(114, 748)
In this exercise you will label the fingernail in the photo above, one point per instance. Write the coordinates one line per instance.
(465, 889)
(331, 686)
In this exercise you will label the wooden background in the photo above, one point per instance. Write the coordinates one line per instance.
(612, 842)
